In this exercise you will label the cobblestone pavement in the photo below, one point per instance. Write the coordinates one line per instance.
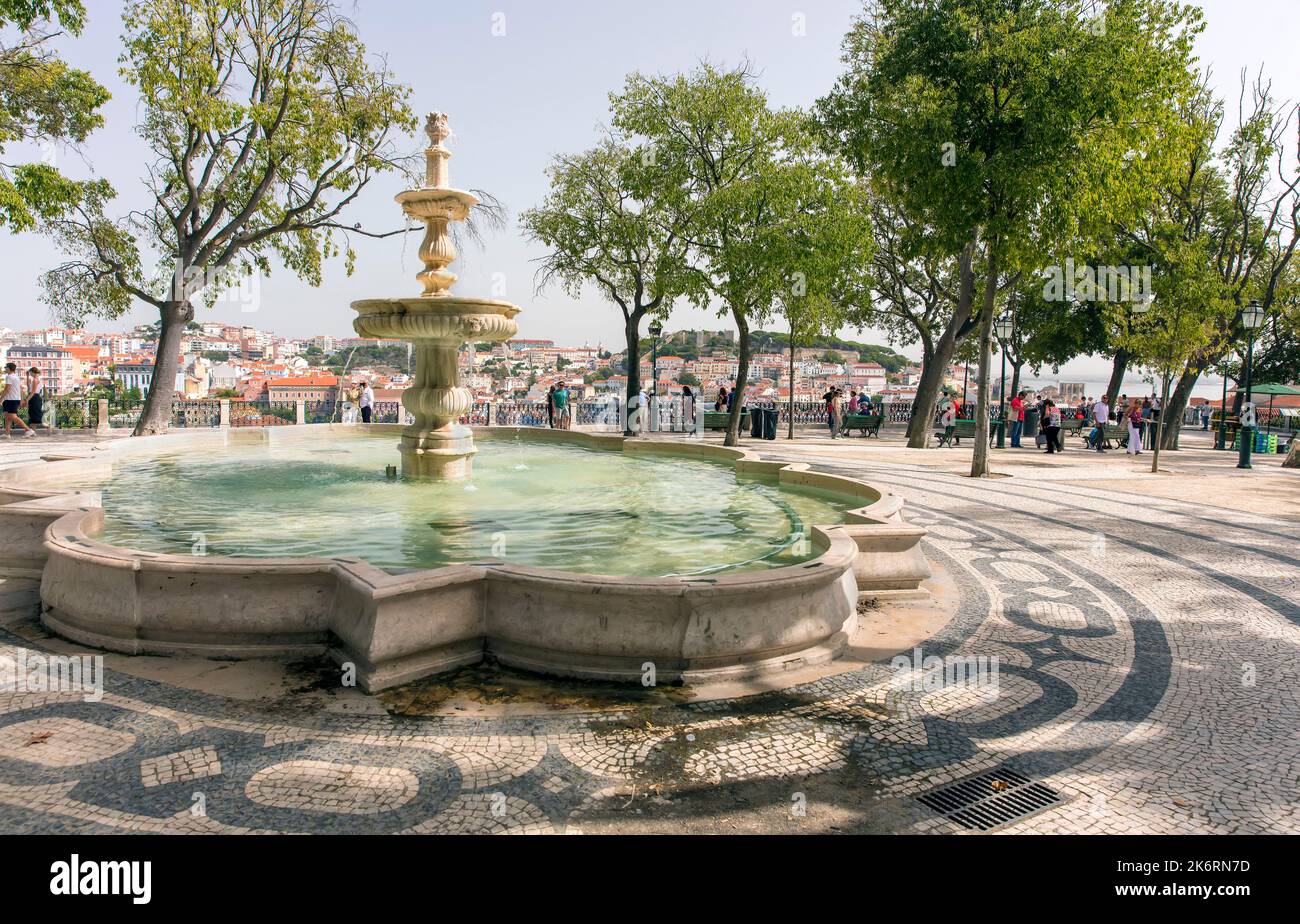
(1147, 675)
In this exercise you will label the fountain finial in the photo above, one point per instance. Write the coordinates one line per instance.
(436, 203)
(435, 155)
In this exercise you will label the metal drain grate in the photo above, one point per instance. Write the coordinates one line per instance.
(991, 800)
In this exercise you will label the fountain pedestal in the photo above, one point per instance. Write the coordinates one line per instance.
(438, 324)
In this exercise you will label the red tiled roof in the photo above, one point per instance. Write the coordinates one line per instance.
(304, 381)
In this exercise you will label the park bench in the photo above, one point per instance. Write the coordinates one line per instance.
(1115, 435)
(717, 420)
(868, 424)
(963, 429)
(1071, 425)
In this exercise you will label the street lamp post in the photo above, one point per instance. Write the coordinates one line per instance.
(1005, 325)
(1252, 317)
(1222, 441)
(655, 330)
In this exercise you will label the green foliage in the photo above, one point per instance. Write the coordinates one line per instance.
(1020, 122)
(731, 172)
(602, 231)
(264, 119)
(392, 356)
(45, 102)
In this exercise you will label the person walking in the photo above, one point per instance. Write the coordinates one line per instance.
(35, 399)
(837, 412)
(1017, 419)
(1134, 447)
(828, 399)
(367, 401)
(688, 411)
(1100, 418)
(13, 400)
(1051, 416)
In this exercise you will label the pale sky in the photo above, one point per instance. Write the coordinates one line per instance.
(519, 98)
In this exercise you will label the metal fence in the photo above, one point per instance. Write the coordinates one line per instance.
(73, 412)
(261, 413)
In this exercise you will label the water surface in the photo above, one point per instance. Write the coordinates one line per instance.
(544, 505)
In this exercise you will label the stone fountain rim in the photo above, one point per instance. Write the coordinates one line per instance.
(436, 304)
(564, 623)
(434, 193)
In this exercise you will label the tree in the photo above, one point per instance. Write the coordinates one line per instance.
(1012, 129)
(824, 245)
(916, 293)
(264, 119)
(604, 228)
(1227, 226)
(44, 102)
(734, 174)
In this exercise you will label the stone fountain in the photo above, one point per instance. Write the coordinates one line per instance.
(437, 323)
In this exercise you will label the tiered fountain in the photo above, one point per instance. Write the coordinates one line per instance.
(437, 323)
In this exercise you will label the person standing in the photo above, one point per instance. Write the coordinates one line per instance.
(1051, 415)
(1017, 419)
(561, 399)
(351, 394)
(828, 400)
(35, 399)
(722, 403)
(948, 417)
(550, 407)
(367, 401)
(1205, 416)
(13, 400)
(1100, 417)
(688, 410)
(837, 412)
(637, 409)
(1134, 447)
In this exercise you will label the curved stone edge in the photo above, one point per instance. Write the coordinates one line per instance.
(397, 628)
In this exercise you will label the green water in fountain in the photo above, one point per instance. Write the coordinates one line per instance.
(531, 504)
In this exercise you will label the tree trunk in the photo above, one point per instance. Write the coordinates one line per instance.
(156, 415)
(979, 465)
(1178, 403)
(789, 434)
(1292, 459)
(932, 373)
(742, 377)
(927, 397)
(1160, 424)
(1117, 376)
(632, 334)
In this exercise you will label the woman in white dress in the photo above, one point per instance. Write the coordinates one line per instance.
(1134, 447)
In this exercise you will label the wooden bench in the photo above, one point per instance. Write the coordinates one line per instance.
(868, 424)
(718, 420)
(963, 429)
(1115, 435)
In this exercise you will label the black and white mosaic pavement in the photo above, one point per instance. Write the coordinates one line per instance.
(1146, 670)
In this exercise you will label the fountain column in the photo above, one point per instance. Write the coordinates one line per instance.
(437, 323)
